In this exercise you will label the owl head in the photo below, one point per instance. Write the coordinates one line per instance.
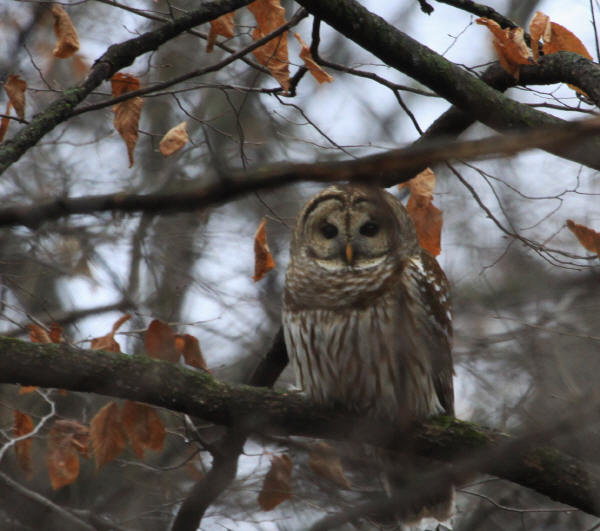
(349, 227)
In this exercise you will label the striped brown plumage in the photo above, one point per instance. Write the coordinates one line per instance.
(366, 311)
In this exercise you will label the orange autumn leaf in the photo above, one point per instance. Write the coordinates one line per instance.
(143, 426)
(510, 46)
(174, 139)
(326, 463)
(15, 89)
(5, 121)
(263, 260)
(277, 486)
(67, 41)
(269, 16)
(555, 38)
(589, 238)
(55, 332)
(38, 334)
(426, 217)
(67, 440)
(190, 348)
(318, 73)
(23, 425)
(108, 434)
(159, 341)
(108, 341)
(26, 389)
(539, 28)
(122, 83)
(127, 113)
(220, 26)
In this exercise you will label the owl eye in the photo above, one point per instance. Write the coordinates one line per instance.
(329, 231)
(370, 228)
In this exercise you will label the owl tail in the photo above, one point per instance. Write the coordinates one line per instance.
(431, 508)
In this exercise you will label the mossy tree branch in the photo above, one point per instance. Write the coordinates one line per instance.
(259, 410)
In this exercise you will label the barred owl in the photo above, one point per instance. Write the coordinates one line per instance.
(366, 311)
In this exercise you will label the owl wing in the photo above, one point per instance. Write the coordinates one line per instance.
(426, 301)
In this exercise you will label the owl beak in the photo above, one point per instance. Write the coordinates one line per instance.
(349, 254)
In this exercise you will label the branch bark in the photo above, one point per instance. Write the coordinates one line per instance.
(258, 410)
(385, 169)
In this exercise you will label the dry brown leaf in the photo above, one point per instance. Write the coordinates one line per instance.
(263, 260)
(190, 348)
(426, 217)
(325, 462)
(23, 426)
(174, 139)
(318, 73)
(589, 238)
(159, 341)
(269, 16)
(38, 334)
(107, 434)
(539, 28)
(55, 333)
(143, 426)
(122, 83)
(108, 341)
(15, 89)
(510, 46)
(562, 40)
(127, 113)
(277, 485)
(5, 121)
(67, 41)
(67, 440)
(220, 26)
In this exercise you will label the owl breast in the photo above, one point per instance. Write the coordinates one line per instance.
(361, 358)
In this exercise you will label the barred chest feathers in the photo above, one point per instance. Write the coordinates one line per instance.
(364, 352)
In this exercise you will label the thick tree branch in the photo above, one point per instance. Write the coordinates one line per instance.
(114, 59)
(462, 89)
(382, 169)
(252, 409)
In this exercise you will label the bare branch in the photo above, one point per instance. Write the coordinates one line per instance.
(382, 169)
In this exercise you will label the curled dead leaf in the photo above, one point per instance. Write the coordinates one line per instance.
(510, 46)
(143, 426)
(108, 341)
(127, 113)
(174, 139)
(427, 218)
(325, 462)
(22, 426)
(67, 41)
(189, 346)
(220, 26)
(277, 485)
(67, 440)
(318, 73)
(159, 341)
(15, 89)
(107, 434)
(589, 238)
(269, 16)
(263, 260)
